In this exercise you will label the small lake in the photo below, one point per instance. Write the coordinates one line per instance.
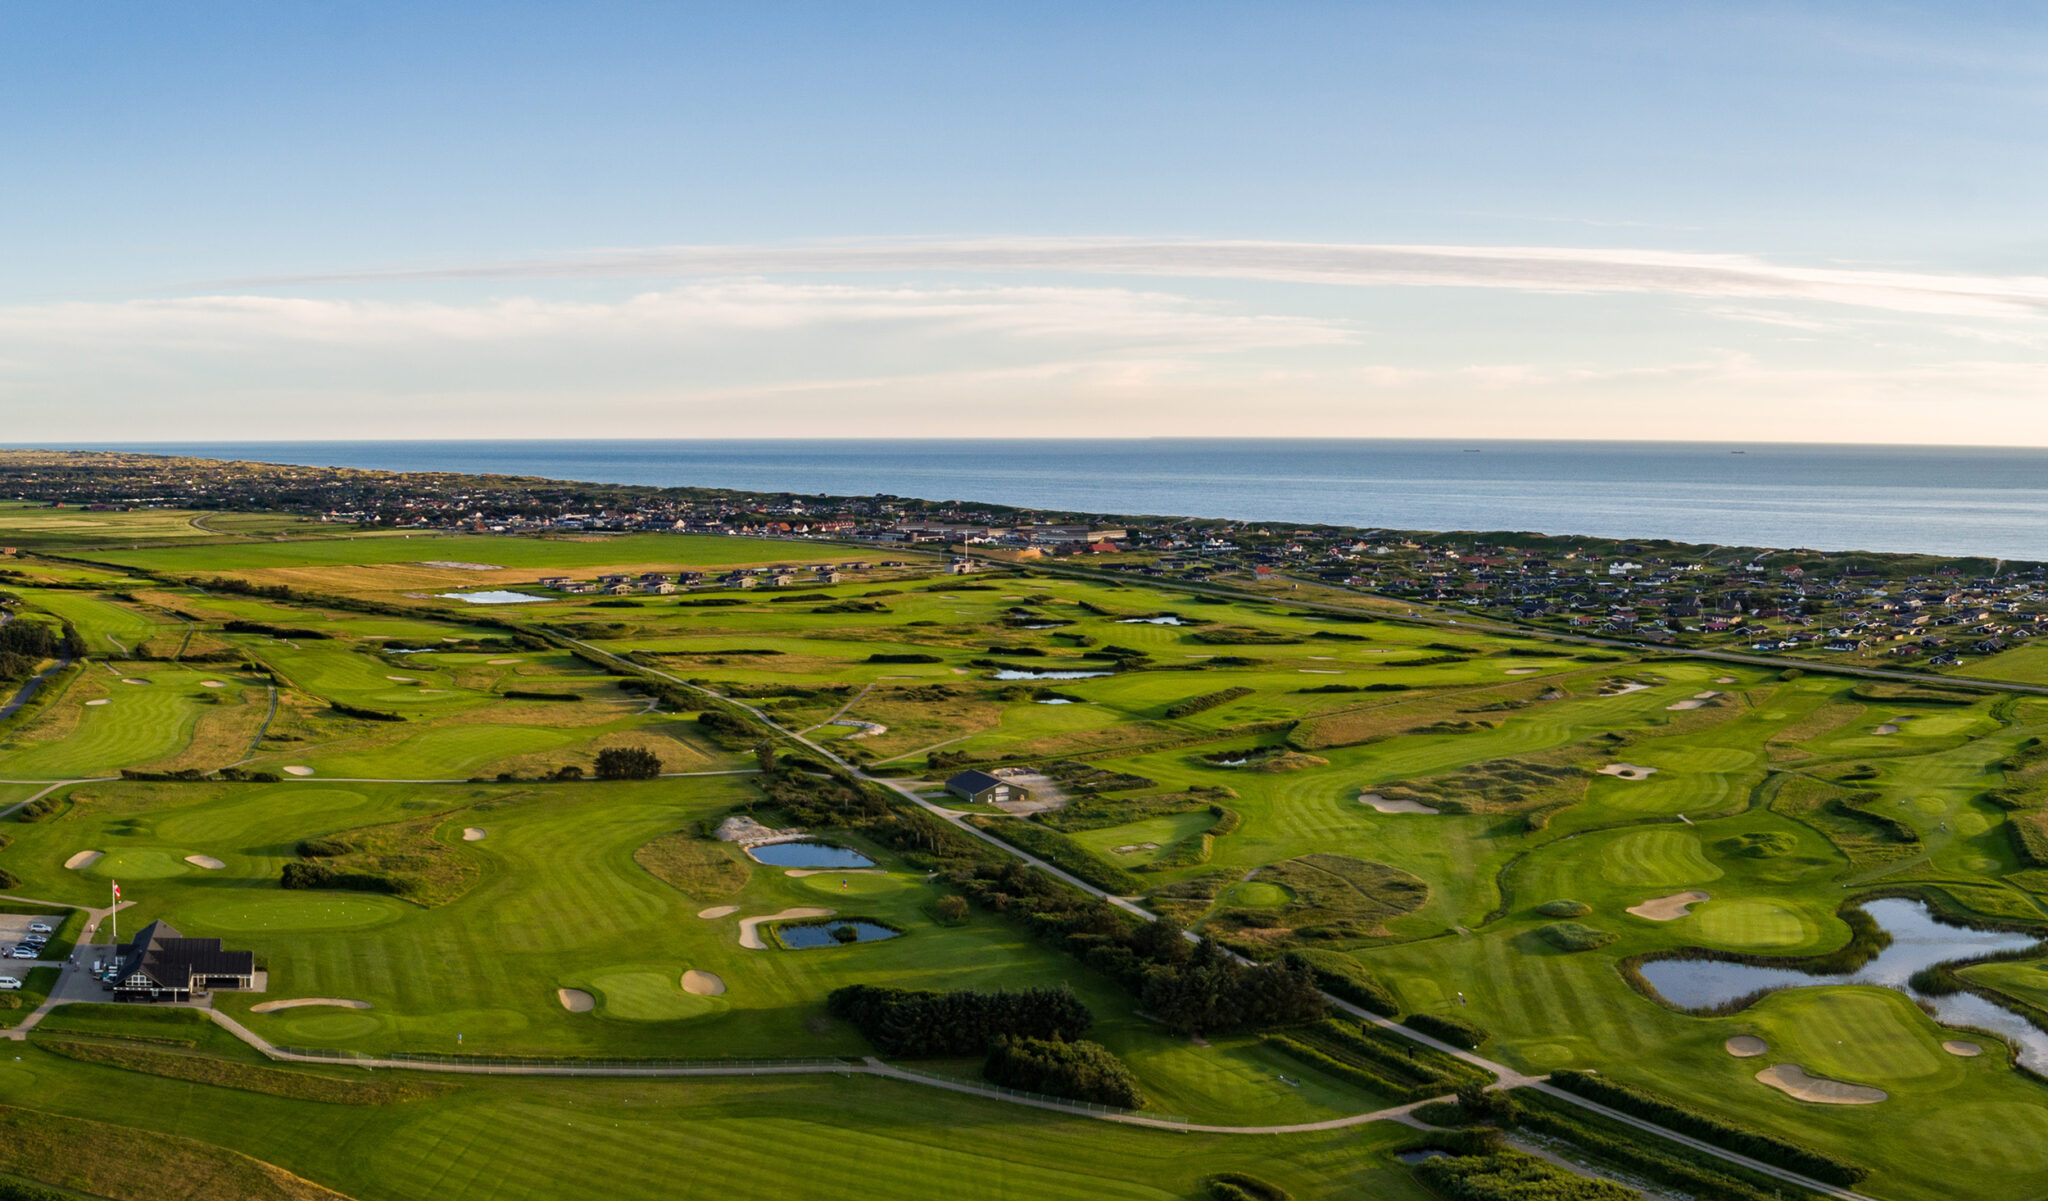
(1008, 674)
(808, 854)
(1168, 620)
(819, 934)
(1058, 700)
(1918, 941)
(497, 596)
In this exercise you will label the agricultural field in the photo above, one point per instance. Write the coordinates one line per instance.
(1475, 826)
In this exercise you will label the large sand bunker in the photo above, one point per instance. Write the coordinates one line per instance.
(1887, 728)
(132, 680)
(211, 684)
(750, 927)
(1794, 1081)
(575, 1000)
(718, 911)
(1695, 701)
(1523, 671)
(703, 984)
(296, 770)
(99, 701)
(504, 662)
(472, 833)
(303, 1002)
(1397, 806)
(1746, 1046)
(1968, 1050)
(83, 860)
(1724, 679)
(1671, 908)
(1628, 771)
(206, 861)
(1623, 689)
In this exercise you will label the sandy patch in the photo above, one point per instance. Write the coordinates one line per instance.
(1671, 908)
(1320, 671)
(1794, 1081)
(303, 1002)
(1134, 848)
(1704, 696)
(1628, 771)
(132, 680)
(402, 679)
(801, 872)
(206, 861)
(703, 984)
(1887, 728)
(99, 701)
(1403, 806)
(862, 729)
(750, 927)
(298, 771)
(1688, 703)
(718, 911)
(575, 1000)
(1746, 1046)
(1624, 689)
(1724, 679)
(83, 860)
(1968, 1050)
(472, 834)
(1523, 671)
(504, 662)
(211, 684)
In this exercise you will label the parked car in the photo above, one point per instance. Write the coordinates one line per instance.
(24, 951)
(9, 983)
(40, 928)
(98, 966)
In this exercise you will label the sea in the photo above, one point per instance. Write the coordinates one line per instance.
(1982, 501)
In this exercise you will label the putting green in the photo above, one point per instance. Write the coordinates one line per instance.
(1752, 924)
(141, 865)
(856, 885)
(1657, 857)
(642, 995)
(1257, 894)
(317, 1028)
(1862, 1034)
(275, 911)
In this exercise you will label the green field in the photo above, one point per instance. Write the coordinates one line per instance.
(1403, 795)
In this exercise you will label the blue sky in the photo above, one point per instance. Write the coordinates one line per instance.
(1810, 222)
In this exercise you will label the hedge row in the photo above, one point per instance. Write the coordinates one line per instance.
(1765, 1148)
(1064, 853)
(1208, 700)
(1456, 1031)
(1241, 1186)
(1661, 1161)
(1342, 976)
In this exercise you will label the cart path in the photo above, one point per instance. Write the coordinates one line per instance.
(841, 710)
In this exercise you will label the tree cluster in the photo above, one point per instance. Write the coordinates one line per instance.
(627, 763)
(1080, 1071)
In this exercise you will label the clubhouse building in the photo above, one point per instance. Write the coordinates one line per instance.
(161, 964)
(980, 786)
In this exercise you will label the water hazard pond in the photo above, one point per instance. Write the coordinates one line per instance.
(1918, 941)
(808, 854)
(826, 934)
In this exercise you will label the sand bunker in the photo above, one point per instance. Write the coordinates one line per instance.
(1671, 908)
(83, 860)
(703, 984)
(402, 679)
(211, 684)
(1887, 728)
(575, 1000)
(1794, 1081)
(472, 834)
(834, 871)
(1523, 671)
(99, 701)
(1695, 701)
(303, 1002)
(1724, 679)
(1967, 1050)
(1628, 771)
(504, 662)
(206, 861)
(1386, 806)
(132, 680)
(718, 911)
(1746, 1046)
(750, 927)
(1624, 689)
(298, 771)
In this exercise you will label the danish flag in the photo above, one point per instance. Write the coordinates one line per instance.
(117, 890)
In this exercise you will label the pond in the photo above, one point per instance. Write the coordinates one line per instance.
(1011, 674)
(496, 596)
(1058, 700)
(808, 854)
(1918, 941)
(1167, 620)
(822, 934)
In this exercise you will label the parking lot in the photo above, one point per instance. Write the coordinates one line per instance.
(13, 928)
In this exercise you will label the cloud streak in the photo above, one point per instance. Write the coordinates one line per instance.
(1538, 269)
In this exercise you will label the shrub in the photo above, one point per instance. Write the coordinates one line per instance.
(1241, 1186)
(1564, 908)
(627, 763)
(320, 875)
(362, 714)
(1342, 976)
(1766, 1148)
(951, 910)
(1572, 936)
(1456, 1031)
(36, 811)
(9, 879)
(1210, 700)
(1066, 854)
(1081, 1071)
(1513, 1176)
(885, 657)
(521, 694)
(912, 1022)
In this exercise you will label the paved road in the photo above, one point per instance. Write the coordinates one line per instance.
(30, 687)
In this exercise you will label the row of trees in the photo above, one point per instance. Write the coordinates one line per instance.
(24, 644)
(916, 1022)
(1080, 1071)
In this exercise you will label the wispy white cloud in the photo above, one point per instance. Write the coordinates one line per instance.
(1543, 269)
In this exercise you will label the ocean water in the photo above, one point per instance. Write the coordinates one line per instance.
(1986, 501)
